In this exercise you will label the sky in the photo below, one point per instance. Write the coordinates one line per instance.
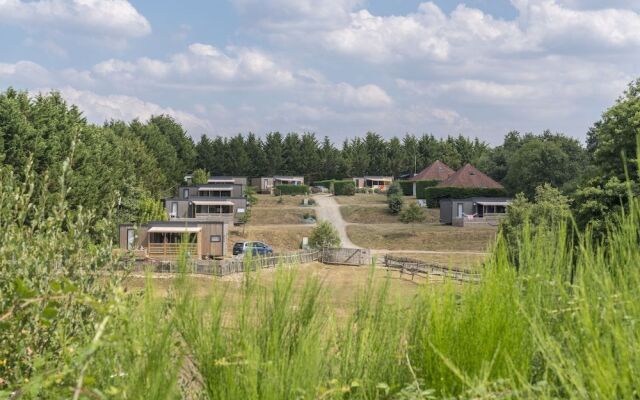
(338, 68)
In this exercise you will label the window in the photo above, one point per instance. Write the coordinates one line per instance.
(185, 193)
(460, 210)
(215, 238)
(131, 237)
(213, 209)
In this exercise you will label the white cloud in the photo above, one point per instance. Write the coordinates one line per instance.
(24, 73)
(107, 17)
(202, 66)
(98, 108)
(366, 96)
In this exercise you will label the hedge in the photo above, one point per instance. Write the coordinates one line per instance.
(407, 187)
(291, 189)
(344, 188)
(421, 186)
(434, 194)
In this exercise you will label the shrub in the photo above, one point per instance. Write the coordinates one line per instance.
(395, 203)
(199, 177)
(407, 187)
(291, 190)
(413, 213)
(344, 188)
(422, 185)
(250, 194)
(395, 188)
(434, 194)
(324, 236)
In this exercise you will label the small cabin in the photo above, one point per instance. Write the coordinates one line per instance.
(165, 240)
(473, 211)
(373, 182)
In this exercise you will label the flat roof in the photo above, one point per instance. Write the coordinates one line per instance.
(213, 203)
(175, 229)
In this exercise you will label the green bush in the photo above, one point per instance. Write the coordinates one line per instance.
(407, 187)
(395, 203)
(344, 188)
(434, 194)
(200, 177)
(394, 188)
(413, 213)
(422, 185)
(324, 236)
(291, 190)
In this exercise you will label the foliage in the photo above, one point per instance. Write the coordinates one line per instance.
(596, 201)
(412, 213)
(344, 188)
(394, 189)
(407, 187)
(324, 235)
(395, 203)
(422, 185)
(291, 190)
(200, 177)
(250, 194)
(615, 136)
(433, 194)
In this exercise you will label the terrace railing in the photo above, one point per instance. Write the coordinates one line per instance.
(424, 269)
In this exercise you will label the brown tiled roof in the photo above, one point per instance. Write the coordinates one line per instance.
(470, 177)
(437, 171)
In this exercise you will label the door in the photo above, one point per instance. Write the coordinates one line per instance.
(460, 210)
(174, 209)
(131, 238)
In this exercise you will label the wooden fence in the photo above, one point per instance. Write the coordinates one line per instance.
(424, 269)
(346, 256)
(231, 266)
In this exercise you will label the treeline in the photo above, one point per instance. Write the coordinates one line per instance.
(119, 168)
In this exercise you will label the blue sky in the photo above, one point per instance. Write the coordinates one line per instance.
(335, 67)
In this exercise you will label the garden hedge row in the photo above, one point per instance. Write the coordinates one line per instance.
(422, 185)
(434, 194)
(344, 188)
(291, 189)
(407, 187)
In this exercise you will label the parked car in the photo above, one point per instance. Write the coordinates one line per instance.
(319, 189)
(256, 248)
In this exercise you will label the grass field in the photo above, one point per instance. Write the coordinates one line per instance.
(379, 214)
(421, 237)
(281, 239)
(340, 283)
(277, 216)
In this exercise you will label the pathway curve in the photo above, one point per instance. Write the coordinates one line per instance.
(328, 209)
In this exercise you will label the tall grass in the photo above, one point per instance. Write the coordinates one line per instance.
(563, 324)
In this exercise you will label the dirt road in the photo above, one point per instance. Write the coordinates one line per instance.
(328, 209)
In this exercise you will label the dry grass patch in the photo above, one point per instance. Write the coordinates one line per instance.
(362, 199)
(270, 201)
(281, 239)
(379, 214)
(341, 283)
(279, 216)
(421, 237)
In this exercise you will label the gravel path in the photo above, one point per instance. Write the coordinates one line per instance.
(328, 209)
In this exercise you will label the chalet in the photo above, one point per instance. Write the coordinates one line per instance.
(266, 184)
(436, 171)
(165, 240)
(473, 211)
(373, 182)
(215, 200)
